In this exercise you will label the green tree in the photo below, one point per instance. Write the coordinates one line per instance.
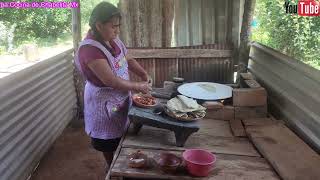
(86, 9)
(36, 23)
(294, 35)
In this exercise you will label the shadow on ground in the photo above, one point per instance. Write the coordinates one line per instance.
(71, 158)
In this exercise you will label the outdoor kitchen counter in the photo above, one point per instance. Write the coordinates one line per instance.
(236, 156)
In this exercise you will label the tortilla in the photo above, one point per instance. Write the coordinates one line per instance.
(184, 107)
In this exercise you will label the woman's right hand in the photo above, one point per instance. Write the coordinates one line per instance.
(143, 87)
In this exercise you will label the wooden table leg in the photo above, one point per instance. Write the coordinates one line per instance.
(137, 127)
(181, 137)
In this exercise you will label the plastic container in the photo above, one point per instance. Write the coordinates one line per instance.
(199, 162)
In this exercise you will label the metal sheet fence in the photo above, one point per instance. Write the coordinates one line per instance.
(212, 69)
(36, 105)
(293, 90)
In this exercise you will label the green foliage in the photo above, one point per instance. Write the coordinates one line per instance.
(36, 24)
(293, 35)
(86, 9)
(2, 49)
(44, 26)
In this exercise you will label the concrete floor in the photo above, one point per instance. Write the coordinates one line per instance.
(71, 158)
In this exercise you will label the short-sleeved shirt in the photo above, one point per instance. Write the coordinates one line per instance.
(90, 53)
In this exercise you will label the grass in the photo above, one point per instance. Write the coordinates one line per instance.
(63, 39)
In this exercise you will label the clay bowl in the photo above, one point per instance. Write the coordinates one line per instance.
(168, 162)
(141, 100)
(137, 160)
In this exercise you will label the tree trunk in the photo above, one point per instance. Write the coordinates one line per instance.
(77, 78)
(244, 48)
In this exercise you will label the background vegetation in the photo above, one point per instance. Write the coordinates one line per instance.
(43, 26)
(293, 35)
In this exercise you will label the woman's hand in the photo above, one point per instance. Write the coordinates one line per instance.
(143, 87)
(102, 70)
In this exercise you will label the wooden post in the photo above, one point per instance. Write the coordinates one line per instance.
(167, 14)
(155, 21)
(244, 48)
(76, 25)
(78, 81)
(126, 23)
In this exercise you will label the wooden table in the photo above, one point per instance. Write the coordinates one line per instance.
(227, 167)
(236, 157)
(142, 116)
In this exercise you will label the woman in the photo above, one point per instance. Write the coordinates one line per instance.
(102, 59)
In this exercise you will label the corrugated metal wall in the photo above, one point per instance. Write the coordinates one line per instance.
(36, 105)
(219, 70)
(293, 90)
(215, 69)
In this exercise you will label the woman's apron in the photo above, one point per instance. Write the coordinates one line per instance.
(105, 108)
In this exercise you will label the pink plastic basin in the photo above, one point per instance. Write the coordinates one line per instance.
(199, 162)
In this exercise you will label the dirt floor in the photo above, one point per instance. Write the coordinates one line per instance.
(71, 157)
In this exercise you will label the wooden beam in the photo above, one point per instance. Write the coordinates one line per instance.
(250, 112)
(179, 53)
(261, 122)
(167, 15)
(244, 48)
(237, 128)
(126, 19)
(290, 156)
(76, 25)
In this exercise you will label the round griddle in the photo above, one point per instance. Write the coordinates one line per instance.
(205, 90)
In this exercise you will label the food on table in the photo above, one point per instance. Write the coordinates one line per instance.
(143, 100)
(168, 162)
(184, 107)
(137, 160)
(146, 100)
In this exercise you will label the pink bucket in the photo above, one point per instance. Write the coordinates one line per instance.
(199, 162)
